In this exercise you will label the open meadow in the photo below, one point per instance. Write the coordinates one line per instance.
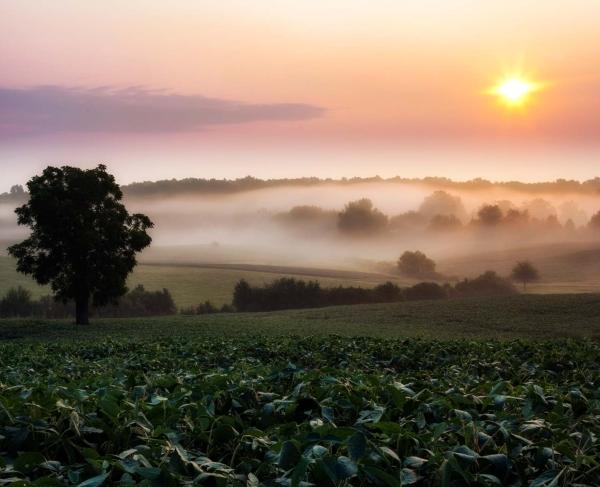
(191, 284)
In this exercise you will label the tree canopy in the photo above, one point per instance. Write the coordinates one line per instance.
(416, 264)
(525, 272)
(83, 241)
(361, 218)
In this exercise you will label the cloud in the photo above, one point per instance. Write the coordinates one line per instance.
(45, 110)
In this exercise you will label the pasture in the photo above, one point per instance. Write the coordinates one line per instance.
(191, 284)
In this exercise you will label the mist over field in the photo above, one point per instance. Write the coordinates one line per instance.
(311, 225)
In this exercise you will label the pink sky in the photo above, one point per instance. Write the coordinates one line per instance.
(287, 88)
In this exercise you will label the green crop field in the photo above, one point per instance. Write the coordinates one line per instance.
(465, 392)
(325, 411)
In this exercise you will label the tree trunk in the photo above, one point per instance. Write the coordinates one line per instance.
(82, 311)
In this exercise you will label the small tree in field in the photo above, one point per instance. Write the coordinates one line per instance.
(524, 272)
(83, 241)
(416, 264)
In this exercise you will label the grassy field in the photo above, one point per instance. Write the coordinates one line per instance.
(521, 316)
(565, 269)
(193, 284)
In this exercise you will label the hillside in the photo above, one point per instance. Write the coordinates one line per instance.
(564, 268)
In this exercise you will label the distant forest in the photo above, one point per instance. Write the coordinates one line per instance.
(198, 186)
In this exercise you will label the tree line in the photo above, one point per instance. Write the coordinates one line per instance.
(442, 212)
(199, 186)
(19, 303)
(290, 293)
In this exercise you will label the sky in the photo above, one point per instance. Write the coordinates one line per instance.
(282, 88)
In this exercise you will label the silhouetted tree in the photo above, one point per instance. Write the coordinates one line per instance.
(416, 264)
(242, 296)
(361, 218)
(83, 240)
(489, 215)
(524, 272)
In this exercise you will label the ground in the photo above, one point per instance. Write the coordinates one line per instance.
(195, 283)
(521, 316)
(120, 406)
(495, 391)
(564, 269)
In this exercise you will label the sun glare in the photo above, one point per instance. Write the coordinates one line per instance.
(515, 90)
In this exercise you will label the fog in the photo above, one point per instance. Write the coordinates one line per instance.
(302, 226)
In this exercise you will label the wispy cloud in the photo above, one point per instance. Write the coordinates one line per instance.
(45, 110)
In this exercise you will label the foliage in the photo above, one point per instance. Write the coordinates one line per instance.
(16, 302)
(289, 293)
(137, 302)
(284, 293)
(360, 218)
(444, 223)
(426, 290)
(83, 240)
(416, 264)
(441, 203)
(594, 223)
(255, 411)
(487, 284)
(207, 308)
(525, 272)
(489, 215)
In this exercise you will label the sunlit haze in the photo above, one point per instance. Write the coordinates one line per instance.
(285, 88)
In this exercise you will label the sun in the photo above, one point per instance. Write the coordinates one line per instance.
(515, 90)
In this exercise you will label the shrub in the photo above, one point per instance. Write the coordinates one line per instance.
(487, 284)
(137, 302)
(17, 303)
(387, 293)
(425, 290)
